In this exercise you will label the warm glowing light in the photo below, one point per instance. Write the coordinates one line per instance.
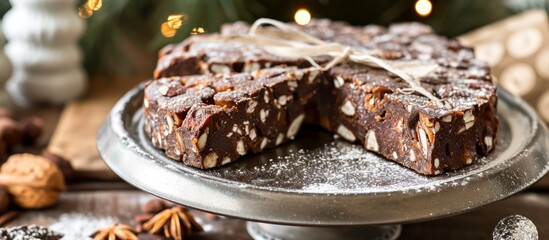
(166, 30)
(302, 16)
(95, 4)
(424, 7)
(87, 9)
(84, 11)
(197, 30)
(175, 21)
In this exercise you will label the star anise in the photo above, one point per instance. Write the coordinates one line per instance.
(176, 223)
(115, 232)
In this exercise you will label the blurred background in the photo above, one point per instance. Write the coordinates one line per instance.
(123, 36)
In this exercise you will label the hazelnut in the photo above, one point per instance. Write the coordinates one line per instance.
(468, 116)
(154, 206)
(263, 115)
(251, 106)
(5, 113)
(4, 199)
(423, 140)
(210, 160)
(348, 108)
(371, 141)
(10, 132)
(63, 165)
(282, 100)
(251, 67)
(220, 68)
(32, 128)
(447, 118)
(488, 141)
(202, 140)
(264, 143)
(266, 97)
(140, 219)
(240, 148)
(346, 133)
(295, 125)
(225, 160)
(253, 134)
(3, 149)
(33, 181)
(338, 82)
(279, 139)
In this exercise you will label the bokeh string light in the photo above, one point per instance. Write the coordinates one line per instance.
(172, 24)
(424, 7)
(302, 16)
(197, 30)
(175, 21)
(95, 5)
(166, 30)
(89, 7)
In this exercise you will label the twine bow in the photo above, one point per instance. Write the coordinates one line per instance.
(286, 41)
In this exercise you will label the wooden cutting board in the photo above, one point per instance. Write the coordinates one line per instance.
(75, 135)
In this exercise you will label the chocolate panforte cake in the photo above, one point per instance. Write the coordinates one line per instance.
(212, 102)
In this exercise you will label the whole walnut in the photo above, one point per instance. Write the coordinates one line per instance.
(33, 181)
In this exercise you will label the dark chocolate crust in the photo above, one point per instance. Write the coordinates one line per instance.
(245, 100)
(207, 121)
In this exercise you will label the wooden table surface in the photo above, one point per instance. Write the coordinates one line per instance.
(119, 200)
(125, 204)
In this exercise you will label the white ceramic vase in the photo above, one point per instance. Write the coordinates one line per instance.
(43, 49)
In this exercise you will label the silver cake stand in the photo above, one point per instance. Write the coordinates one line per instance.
(319, 187)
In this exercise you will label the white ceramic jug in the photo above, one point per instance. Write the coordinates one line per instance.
(43, 49)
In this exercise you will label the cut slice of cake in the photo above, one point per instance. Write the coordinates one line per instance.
(208, 121)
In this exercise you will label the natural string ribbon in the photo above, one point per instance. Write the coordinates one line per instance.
(287, 41)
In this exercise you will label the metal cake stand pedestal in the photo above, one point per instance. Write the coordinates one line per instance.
(319, 187)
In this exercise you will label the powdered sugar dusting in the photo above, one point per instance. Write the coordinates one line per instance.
(334, 166)
(80, 226)
(341, 167)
